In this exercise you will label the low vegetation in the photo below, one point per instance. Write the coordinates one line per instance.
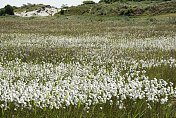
(28, 7)
(112, 1)
(88, 66)
(128, 8)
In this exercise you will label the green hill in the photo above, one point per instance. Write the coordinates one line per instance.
(28, 7)
(129, 8)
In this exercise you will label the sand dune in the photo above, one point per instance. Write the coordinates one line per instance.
(43, 11)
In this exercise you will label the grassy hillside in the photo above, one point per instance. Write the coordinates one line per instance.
(94, 25)
(124, 8)
(28, 7)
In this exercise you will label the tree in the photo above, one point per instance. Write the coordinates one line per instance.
(64, 6)
(9, 10)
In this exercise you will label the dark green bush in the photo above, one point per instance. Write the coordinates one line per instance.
(88, 2)
(7, 10)
(128, 12)
(62, 12)
(108, 1)
(2, 12)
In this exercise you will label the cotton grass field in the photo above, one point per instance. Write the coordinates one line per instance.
(76, 68)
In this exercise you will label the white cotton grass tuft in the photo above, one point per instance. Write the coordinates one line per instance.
(72, 89)
(88, 81)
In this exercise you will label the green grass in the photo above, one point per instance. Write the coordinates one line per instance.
(134, 110)
(93, 25)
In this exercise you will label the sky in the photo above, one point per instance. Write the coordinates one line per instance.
(56, 3)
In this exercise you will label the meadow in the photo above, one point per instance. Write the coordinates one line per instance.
(88, 67)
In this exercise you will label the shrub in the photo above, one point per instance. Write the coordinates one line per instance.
(64, 6)
(108, 1)
(2, 12)
(88, 2)
(62, 12)
(128, 12)
(9, 10)
(28, 5)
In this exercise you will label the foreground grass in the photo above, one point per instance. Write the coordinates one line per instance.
(134, 110)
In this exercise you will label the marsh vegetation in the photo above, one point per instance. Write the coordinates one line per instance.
(84, 66)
